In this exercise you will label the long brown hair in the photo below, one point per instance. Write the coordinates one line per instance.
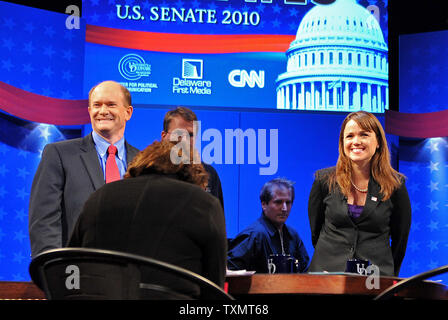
(380, 168)
(156, 158)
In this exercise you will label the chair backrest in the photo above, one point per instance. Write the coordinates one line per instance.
(405, 283)
(91, 274)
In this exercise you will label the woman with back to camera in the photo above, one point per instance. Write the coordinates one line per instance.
(360, 208)
(160, 210)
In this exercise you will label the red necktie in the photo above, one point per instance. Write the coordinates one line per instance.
(112, 172)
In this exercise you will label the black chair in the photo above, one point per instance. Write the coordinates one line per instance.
(96, 274)
(392, 290)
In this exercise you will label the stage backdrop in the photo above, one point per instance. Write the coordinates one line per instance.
(423, 89)
(284, 73)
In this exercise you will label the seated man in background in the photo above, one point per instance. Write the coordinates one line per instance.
(160, 210)
(269, 234)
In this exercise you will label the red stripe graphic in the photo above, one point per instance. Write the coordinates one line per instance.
(34, 107)
(187, 43)
(417, 125)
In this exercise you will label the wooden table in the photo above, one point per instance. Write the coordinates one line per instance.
(305, 285)
(20, 291)
(326, 285)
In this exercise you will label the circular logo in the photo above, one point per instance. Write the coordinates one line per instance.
(133, 67)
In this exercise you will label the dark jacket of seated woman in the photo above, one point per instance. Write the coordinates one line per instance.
(159, 210)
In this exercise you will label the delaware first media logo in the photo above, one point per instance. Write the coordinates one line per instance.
(192, 81)
(133, 67)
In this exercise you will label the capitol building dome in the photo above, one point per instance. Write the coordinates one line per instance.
(337, 62)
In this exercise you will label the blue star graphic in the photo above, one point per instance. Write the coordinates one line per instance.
(6, 64)
(433, 245)
(27, 68)
(433, 185)
(276, 23)
(18, 277)
(433, 205)
(9, 23)
(433, 264)
(28, 47)
(195, 4)
(18, 257)
(22, 194)
(47, 92)
(414, 245)
(23, 151)
(48, 72)
(292, 26)
(29, 27)
(68, 34)
(3, 149)
(433, 166)
(414, 265)
(68, 54)
(49, 31)
(433, 225)
(8, 44)
(23, 172)
(293, 12)
(3, 170)
(413, 187)
(67, 75)
(276, 8)
(19, 236)
(48, 51)
(2, 191)
(66, 94)
(433, 146)
(94, 18)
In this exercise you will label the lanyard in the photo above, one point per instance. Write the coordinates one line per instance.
(281, 240)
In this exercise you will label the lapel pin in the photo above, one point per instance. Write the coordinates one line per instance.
(374, 198)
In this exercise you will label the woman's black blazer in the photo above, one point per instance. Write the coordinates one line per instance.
(379, 235)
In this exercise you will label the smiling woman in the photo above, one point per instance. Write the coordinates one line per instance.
(363, 152)
(359, 209)
(359, 144)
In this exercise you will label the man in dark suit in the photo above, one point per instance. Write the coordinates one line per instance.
(183, 119)
(71, 170)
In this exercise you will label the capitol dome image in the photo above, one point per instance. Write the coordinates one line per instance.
(337, 62)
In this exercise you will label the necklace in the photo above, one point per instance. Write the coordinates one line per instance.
(359, 189)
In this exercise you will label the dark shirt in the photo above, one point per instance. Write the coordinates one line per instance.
(214, 183)
(251, 248)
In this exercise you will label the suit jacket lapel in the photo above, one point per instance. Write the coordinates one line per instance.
(344, 206)
(131, 152)
(372, 200)
(89, 156)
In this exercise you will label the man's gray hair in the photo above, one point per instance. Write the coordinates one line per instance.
(266, 193)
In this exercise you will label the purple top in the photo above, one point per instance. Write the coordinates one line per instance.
(354, 211)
